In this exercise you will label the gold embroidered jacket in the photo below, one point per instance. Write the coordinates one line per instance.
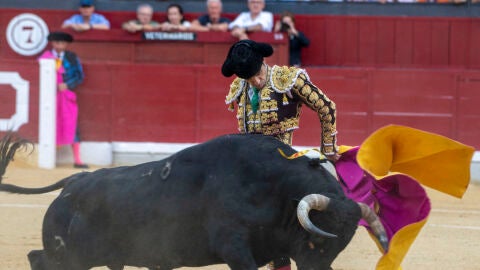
(287, 88)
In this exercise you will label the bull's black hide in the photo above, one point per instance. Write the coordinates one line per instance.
(230, 200)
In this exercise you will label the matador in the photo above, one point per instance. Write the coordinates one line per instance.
(269, 99)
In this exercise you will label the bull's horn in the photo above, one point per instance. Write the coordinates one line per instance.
(312, 201)
(377, 227)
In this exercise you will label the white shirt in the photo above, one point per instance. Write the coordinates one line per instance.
(265, 18)
(186, 24)
(58, 55)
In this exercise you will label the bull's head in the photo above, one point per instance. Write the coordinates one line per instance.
(320, 203)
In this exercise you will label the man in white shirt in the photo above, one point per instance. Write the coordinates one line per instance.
(254, 20)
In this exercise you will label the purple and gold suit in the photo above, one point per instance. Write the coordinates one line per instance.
(280, 100)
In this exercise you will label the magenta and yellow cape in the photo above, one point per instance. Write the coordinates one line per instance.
(387, 171)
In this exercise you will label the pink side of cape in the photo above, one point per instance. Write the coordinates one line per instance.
(400, 199)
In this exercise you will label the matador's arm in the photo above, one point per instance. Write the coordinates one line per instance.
(316, 100)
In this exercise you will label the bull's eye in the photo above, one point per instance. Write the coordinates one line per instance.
(318, 241)
(311, 245)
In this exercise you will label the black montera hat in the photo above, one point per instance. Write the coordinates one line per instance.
(60, 36)
(245, 58)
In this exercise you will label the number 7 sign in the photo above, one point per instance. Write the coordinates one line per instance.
(27, 34)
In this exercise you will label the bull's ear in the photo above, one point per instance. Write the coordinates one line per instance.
(317, 240)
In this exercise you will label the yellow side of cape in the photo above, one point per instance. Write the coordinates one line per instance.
(433, 160)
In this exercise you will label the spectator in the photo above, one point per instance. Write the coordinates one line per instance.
(69, 76)
(297, 40)
(143, 22)
(87, 19)
(175, 19)
(213, 20)
(269, 99)
(453, 1)
(253, 20)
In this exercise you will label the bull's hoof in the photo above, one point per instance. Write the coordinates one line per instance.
(37, 260)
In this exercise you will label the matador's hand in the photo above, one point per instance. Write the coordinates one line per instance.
(62, 86)
(333, 158)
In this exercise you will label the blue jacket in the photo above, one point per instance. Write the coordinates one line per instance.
(73, 75)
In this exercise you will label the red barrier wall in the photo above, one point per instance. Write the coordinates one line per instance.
(175, 109)
(420, 72)
(441, 101)
(28, 70)
(391, 41)
(406, 42)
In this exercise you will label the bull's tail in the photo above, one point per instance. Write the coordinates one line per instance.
(9, 145)
(23, 190)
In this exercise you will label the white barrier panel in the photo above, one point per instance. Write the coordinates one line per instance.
(21, 87)
(47, 115)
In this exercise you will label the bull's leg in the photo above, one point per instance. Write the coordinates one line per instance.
(231, 245)
(39, 261)
(237, 255)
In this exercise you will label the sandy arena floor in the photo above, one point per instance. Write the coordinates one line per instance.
(450, 239)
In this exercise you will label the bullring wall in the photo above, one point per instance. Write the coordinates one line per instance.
(421, 72)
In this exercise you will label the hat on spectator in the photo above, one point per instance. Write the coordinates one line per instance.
(86, 3)
(245, 58)
(60, 36)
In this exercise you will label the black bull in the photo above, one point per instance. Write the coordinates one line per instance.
(232, 200)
